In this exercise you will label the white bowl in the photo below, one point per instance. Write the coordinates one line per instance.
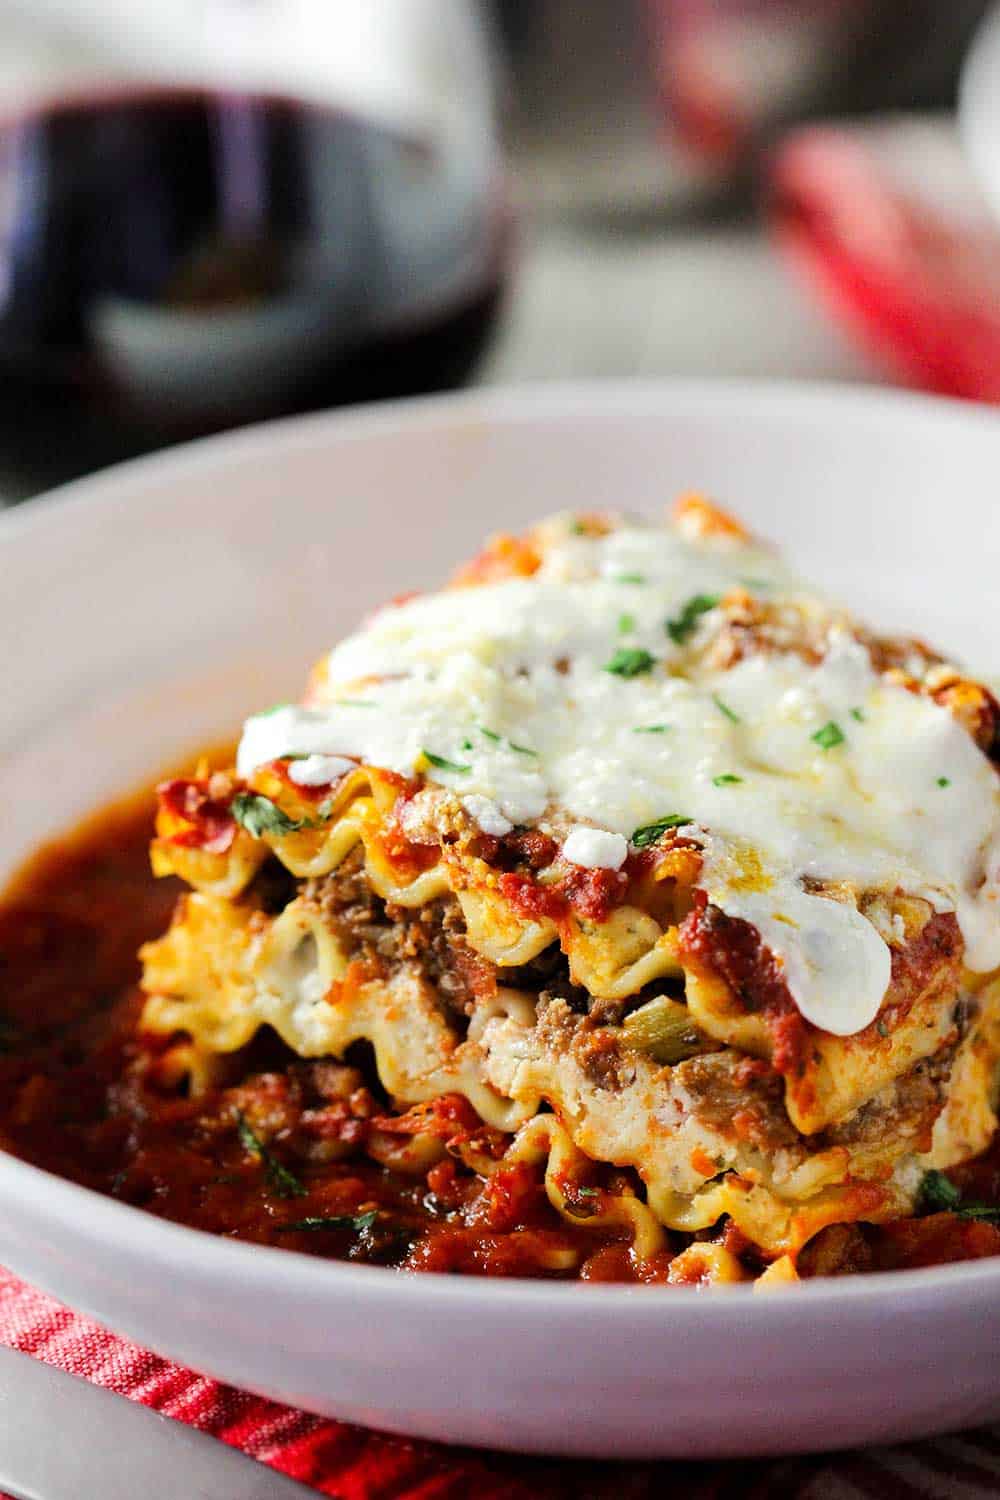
(147, 609)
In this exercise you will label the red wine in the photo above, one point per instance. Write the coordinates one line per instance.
(176, 262)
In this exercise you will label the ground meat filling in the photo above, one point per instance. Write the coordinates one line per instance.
(739, 1096)
(727, 1092)
(386, 936)
(904, 1110)
(431, 937)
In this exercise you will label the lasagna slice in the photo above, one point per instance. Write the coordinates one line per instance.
(657, 857)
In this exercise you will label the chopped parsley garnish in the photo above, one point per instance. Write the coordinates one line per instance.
(259, 815)
(588, 1192)
(944, 781)
(651, 729)
(829, 737)
(280, 1179)
(858, 714)
(629, 578)
(939, 1195)
(727, 779)
(274, 709)
(498, 740)
(357, 1223)
(354, 703)
(724, 708)
(630, 661)
(988, 1212)
(652, 831)
(684, 623)
(626, 624)
(440, 764)
(466, 744)
(578, 528)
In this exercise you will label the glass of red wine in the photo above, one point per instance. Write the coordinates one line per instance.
(176, 261)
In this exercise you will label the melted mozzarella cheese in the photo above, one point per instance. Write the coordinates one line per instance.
(595, 849)
(566, 699)
(319, 770)
(488, 816)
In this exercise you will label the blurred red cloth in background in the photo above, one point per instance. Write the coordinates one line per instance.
(885, 223)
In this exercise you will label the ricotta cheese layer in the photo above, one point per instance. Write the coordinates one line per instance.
(583, 699)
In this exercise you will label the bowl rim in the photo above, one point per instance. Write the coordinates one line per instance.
(84, 1215)
(534, 402)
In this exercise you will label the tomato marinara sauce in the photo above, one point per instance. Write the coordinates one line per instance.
(342, 1175)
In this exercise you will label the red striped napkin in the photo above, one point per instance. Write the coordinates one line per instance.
(356, 1465)
(886, 224)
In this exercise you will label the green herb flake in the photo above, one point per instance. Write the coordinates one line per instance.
(653, 831)
(630, 661)
(522, 749)
(724, 708)
(727, 779)
(283, 1182)
(943, 781)
(357, 1223)
(651, 729)
(588, 1192)
(938, 1194)
(882, 1028)
(626, 624)
(259, 815)
(578, 528)
(858, 715)
(354, 703)
(683, 624)
(274, 709)
(629, 578)
(489, 733)
(467, 745)
(829, 737)
(440, 764)
(988, 1212)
